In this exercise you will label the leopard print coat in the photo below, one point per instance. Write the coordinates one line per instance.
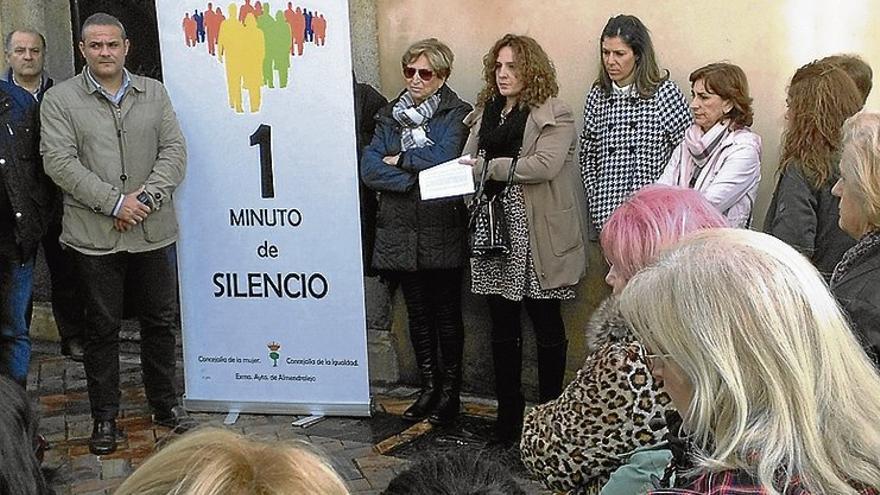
(574, 443)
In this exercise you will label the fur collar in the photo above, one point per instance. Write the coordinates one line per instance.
(606, 324)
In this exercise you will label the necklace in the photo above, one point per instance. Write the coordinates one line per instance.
(504, 113)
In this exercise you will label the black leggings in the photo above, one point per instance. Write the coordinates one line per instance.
(433, 303)
(546, 316)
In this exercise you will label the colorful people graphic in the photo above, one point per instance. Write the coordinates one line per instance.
(189, 30)
(200, 26)
(246, 9)
(310, 34)
(276, 34)
(297, 22)
(212, 26)
(319, 26)
(256, 47)
(252, 66)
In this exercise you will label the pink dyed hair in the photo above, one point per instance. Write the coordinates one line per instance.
(653, 218)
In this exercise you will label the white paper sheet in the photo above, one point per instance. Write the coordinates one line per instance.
(446, 179)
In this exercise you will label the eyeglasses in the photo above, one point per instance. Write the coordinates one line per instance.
(651, 358)
(424, 74)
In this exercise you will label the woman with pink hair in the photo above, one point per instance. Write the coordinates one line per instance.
(614, 406)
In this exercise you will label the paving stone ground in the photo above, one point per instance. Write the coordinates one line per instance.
(367, 452)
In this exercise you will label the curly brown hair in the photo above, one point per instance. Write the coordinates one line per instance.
(821, 97)
(534, 68)
(856, 68)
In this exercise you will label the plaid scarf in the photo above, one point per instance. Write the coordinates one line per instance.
(413, 119)
(867, 246)
(700, 146)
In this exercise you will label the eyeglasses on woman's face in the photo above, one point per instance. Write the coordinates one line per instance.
(424, 74)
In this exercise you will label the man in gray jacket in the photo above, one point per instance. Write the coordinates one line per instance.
(112, 143)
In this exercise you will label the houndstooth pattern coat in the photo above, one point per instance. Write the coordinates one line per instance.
(626, 142)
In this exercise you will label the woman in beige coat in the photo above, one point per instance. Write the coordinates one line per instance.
(518, 114)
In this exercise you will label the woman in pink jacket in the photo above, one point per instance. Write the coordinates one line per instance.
(720, 156)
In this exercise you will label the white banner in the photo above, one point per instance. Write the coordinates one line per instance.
(270, 268)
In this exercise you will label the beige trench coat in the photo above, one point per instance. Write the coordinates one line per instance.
(554, 193)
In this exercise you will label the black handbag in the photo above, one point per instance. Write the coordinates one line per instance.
(488, 232)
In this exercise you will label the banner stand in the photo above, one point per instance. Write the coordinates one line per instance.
(353, 409)
(269, 255)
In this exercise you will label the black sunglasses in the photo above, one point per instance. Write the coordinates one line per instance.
(424, 74)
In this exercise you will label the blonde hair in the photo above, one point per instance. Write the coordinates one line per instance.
(438, 54)
(860, 162)
(214, 460)
(781, 386)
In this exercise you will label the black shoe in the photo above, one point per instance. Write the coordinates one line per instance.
(176, 418)
(419, 410)
(104, 437)
(73, 349)
(447, 409)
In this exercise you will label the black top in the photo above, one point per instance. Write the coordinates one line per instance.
(8, 247)
(806, 219)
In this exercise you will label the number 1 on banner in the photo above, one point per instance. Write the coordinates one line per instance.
(263, 137)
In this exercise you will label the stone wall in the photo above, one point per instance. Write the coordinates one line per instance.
(50, 17)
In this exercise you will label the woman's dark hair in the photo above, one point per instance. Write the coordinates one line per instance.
(20, 472)
(455, 474)
(647, 74)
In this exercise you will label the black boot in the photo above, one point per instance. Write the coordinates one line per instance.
(425, 349)
(551, 370)
(452, 348)
(427, 400)
(104, 436)
(507, 361)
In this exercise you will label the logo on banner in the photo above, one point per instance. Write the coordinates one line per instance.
(273, 353)
(254, 44)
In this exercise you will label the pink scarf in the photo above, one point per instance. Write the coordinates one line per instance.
(701, 148)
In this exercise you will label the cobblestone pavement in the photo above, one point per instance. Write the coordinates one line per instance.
(367, 452)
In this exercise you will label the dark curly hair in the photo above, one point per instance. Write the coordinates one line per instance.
(534, 68)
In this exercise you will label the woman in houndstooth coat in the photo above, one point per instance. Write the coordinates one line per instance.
(634, 116)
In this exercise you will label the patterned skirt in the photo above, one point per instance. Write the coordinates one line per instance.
(513, 276)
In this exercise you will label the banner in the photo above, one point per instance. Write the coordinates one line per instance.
(269, 253)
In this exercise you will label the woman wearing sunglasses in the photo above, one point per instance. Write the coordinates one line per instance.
(613, 406)
(776, 394)
(421, 244)
(518, 115)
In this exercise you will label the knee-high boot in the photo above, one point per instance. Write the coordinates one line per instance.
(551, 370)
(507, 361)
(451, 348)
(425, 347)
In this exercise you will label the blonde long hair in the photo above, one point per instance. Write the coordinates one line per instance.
(781, 386)
(860, 162)
(215, 460)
